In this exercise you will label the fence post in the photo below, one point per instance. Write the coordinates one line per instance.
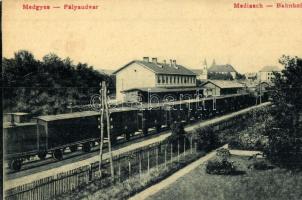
(157, 157)
(165, 156)
(129, 165)
(178, 150)
(119, 170)
(90, 172)
(184, 146)
(140, 164)
(171, 152)
(148, 155)
(191, 140)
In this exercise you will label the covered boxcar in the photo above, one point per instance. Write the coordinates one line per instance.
(123, 122)
(20, 142)
(56, 132)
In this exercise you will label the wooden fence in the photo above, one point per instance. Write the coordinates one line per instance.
(125, 165)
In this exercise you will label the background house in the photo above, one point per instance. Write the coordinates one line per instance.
(142, 75)
(266, 73)
(222, 87)
(222, 69)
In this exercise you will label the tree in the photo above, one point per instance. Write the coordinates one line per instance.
(47, 86)
(220, 76)
(285, 130)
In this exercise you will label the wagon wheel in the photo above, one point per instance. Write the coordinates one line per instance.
(113, 139)
(128, 136)
(16, 165)
(145, 131)
(87, 147)
(73, 148)
(57, 154)
(42, 155)
(158, 128)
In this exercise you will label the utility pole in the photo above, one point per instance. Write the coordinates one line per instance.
(102, 126)
(108, 130)
(260, 89)
(105, 110)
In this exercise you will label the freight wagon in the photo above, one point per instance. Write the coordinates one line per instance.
(54, 133)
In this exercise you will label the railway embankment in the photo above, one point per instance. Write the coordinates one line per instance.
(135, 160)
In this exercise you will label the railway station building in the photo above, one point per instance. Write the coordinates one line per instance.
(140, 79)
(222, 87)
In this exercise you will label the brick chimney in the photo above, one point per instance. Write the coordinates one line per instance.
(174, 64)
(154, 60)
(146, 59)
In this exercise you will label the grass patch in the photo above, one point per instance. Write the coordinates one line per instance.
(276, 183)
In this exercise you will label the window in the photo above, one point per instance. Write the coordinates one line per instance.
(185, 79)
(170, 79)
(167, 79)
(177, 79)
(163, 79)
(158, 79)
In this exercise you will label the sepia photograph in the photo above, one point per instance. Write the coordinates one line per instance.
(151, 99)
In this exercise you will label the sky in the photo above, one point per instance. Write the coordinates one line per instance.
(188, 31)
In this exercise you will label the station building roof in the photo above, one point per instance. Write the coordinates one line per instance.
(223, 84)
(161, 68)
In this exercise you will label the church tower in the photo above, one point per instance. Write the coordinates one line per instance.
(204, 75)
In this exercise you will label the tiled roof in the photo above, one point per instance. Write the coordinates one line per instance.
(161, 68)
(222, 68)
(78, 114)
(68, 115)
(159, 90)
(225, 84)
(197, 71)
(270, 69)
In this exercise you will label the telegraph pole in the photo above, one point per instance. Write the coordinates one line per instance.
(102, 126)
(108, 131)
(105, 110)
(260, 89)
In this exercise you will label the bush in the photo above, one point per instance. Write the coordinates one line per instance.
(178, 137)
(262, 165)
(206, 139)
(220, 167)
(223, 153)
(250, 139)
